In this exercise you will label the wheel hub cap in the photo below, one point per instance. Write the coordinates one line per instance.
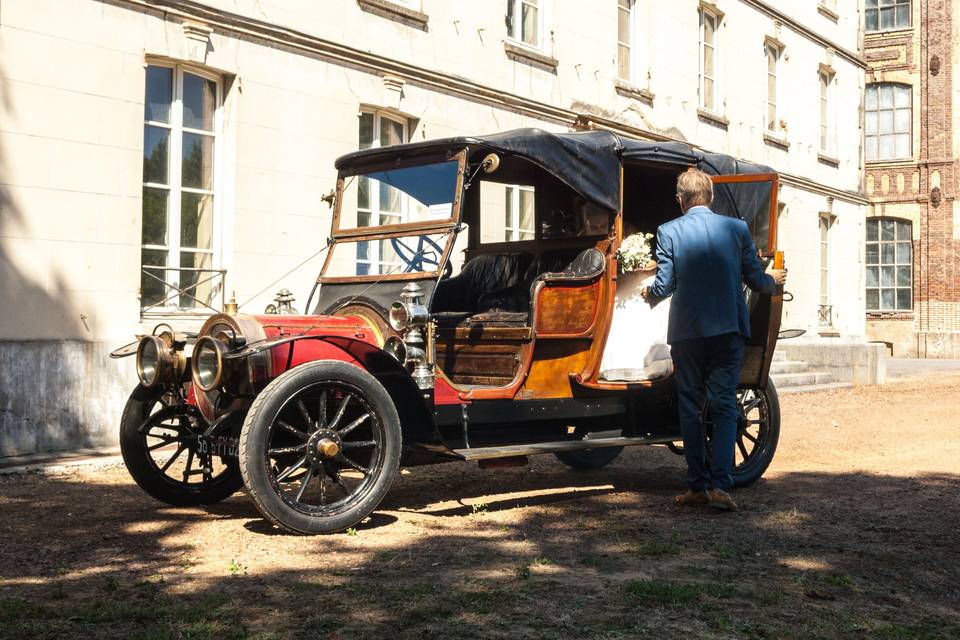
(323, 445)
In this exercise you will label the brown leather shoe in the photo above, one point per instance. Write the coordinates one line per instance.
(691, 498)
(720, 499)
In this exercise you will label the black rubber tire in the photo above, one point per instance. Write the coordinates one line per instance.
(586, 459)
(753, 470)
(145, 471)
(256, 428)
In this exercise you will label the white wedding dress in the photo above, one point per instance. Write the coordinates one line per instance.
(636, 348)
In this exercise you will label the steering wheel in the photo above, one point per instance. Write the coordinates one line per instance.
(416, 259)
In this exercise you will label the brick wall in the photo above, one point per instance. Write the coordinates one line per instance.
(923, 189)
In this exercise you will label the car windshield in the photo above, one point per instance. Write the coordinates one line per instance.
(421, 193)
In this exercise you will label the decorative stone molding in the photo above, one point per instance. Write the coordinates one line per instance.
(628, 90)
(397, 12)
(529, 56)
(828, 160)
(828, 13)
(715, 119)
(392, 92)
(776, 141)
(198, 40)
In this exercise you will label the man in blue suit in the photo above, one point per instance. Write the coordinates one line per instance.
(703, 259)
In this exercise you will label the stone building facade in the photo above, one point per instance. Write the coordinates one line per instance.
(913, 188)
(195, 140)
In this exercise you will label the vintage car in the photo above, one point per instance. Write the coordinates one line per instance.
(461, 315)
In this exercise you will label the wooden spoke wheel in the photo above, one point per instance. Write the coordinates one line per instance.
(161, 448)
(320, 447)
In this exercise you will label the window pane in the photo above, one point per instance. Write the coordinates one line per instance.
(872, 20)
(873, 229)
(873, 253)
(904, 299)
(197, 161)
(159, 94)
(886, 229)
(905, 230)
(508, 209)
(886, 147)
(901, 122)
(708, 55)
(155, 146)
(199, 102)
(771, 117)
(871, 3)
(708, 29)
(391, 132)
(872, 123)
(363, 218)
(526, 210)
(873, 276)
(389, 198)
(366, 130)
(902, 97)
(363, 195)
(904, 253)
(196, 221)
(530, 35)
(708, 93)
(363, 251)
(886, 18)
(886, 122)
(903, 276)
(873, 299)
(887, 255)
(189, 279)
(151, 289)
(888, 299)
(871, 98)
(886, 96)
(903, 16)
(887, 276)
(154, 216)
(623, 62)
(870, 149)
(903, 146)
(623, 23)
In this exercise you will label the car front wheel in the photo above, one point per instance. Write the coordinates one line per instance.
(320, 447)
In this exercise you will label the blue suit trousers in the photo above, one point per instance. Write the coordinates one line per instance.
(708, 368)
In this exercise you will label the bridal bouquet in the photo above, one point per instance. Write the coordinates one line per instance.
(634, 252)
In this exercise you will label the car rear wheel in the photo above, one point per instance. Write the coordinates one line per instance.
(160, 445)
(758, 432)
(320, 447)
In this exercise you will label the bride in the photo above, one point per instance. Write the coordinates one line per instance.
(636, 348)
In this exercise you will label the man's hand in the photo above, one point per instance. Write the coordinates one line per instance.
(779, 275)
(645, 294)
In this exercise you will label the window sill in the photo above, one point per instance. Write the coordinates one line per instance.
(890, 315)
(893, 162)
(712, 118)
(776, 141)
(828, 13)
(629, 90)
(397, 12)
(875, 35)
(828, 160)
(523, 53)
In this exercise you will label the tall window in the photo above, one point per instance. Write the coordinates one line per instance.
(708, 59)
(882, 15)
(889, 265)
(181, 114)
(381, 205)
(523, 21)
(888, 121)
(625, 36)
(825, 141)
(772, 54)
(518, 222)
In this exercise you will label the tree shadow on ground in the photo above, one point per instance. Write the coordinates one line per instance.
(595, 555)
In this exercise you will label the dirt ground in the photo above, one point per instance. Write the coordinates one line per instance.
(853, 533)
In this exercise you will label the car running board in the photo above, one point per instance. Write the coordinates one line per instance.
(486, 453)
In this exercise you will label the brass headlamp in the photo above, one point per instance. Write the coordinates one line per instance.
(158, 360)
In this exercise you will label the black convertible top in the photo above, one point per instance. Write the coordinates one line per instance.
(588, 162)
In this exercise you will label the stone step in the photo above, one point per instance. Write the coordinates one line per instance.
(800, 379)
(813, 388)
(789, 366)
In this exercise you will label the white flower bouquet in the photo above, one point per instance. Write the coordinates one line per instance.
(634, 252)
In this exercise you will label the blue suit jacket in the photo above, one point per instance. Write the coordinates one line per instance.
(703, 259)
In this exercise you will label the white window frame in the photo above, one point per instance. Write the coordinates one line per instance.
(825, 87)
(909, 132)
(772, 127)
(175, 189)
(515, 27)
(513, 232)
(705, 15)
(631, 60)
(825, 224)
(373, 246)
(896, 264)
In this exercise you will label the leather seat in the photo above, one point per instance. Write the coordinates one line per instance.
(485, 273)
(588, 264)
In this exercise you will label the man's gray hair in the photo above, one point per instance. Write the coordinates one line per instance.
(695, 188)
